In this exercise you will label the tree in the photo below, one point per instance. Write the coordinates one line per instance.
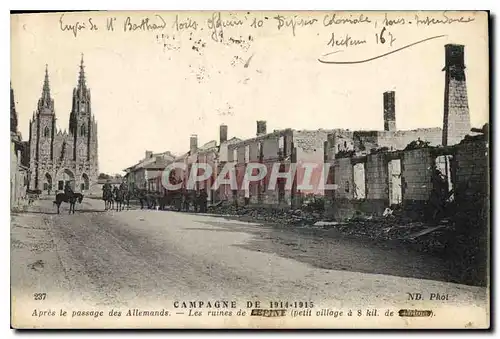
(104, 176)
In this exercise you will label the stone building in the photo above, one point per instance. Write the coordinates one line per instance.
(405, 178)
(146, 174)
(215, 156)
(376, 169)
(223, 193)
(59, 157)
(279, 149)
(19, 171)
(365, 141)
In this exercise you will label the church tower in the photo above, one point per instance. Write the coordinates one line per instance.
(13, 112)
(42, 130)
(80, 121)
(58, 157)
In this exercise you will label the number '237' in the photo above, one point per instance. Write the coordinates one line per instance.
(39, 296)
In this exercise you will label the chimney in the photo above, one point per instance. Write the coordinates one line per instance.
(456, 118)
(148, 154)
(222, 133)
(261, 127)
(389, 111)
(193, 143)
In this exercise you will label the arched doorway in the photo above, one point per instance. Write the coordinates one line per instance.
(47, 184)
(66, 177)
(84, 186)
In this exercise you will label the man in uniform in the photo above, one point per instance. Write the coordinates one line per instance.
(68, 190)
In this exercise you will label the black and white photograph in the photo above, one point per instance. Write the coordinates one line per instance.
(250, 170)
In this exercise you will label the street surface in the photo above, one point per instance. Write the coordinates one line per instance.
(148, 258)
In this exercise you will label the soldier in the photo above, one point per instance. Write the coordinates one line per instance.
(186, 201)
(68, 190)
(203, 201)
(438, 193)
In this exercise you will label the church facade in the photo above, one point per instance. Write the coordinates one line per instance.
(58, 157)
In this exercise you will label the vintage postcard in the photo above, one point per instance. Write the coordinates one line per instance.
(250, 170)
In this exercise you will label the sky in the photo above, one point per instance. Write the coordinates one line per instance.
(155, 84)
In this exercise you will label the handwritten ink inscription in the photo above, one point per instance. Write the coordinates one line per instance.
(74, 27)
(442, 19)
(381, 29)
(344, 41)
(293, 22)
(186, 24)
(216, 22)
(145, 24)
(334, 19)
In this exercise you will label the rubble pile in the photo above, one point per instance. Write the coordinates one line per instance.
(389, 227)
(275, 216)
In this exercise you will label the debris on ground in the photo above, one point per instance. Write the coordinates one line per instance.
(392, 225)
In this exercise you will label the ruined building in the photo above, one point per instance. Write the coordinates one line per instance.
(18, 158)
(449, 168)
(456, 118)
(366, 141)
(58, 157)
(279, 148)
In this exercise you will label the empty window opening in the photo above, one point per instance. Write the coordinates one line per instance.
(359, 181)
(235, 155)
(247, 154)
(395, 182)
(442, 177)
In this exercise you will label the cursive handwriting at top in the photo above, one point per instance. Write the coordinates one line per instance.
(344, 41)
(76, 26)
(338, 20)
(444, 19)
(217, 24)
(380, 56)
(184, 24)
(293, 22)
(145, 24)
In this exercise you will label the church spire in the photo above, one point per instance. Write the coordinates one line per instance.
(13, 112)
(46, 84)
(46, 103)
(81, 78)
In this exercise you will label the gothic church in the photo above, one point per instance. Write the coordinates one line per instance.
(58, 157)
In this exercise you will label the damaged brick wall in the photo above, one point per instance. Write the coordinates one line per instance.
(309, 146)
(345, 203)
(416, 172)
(472, 172)
(377, 186)
(398, 140)
(469, 171)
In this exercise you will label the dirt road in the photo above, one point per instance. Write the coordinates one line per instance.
(144, 258)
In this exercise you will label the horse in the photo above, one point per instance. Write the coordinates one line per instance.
(71, 199)
(125, 191)
(142, 197)
(107, 196)
(118, 197)
(126, 197)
